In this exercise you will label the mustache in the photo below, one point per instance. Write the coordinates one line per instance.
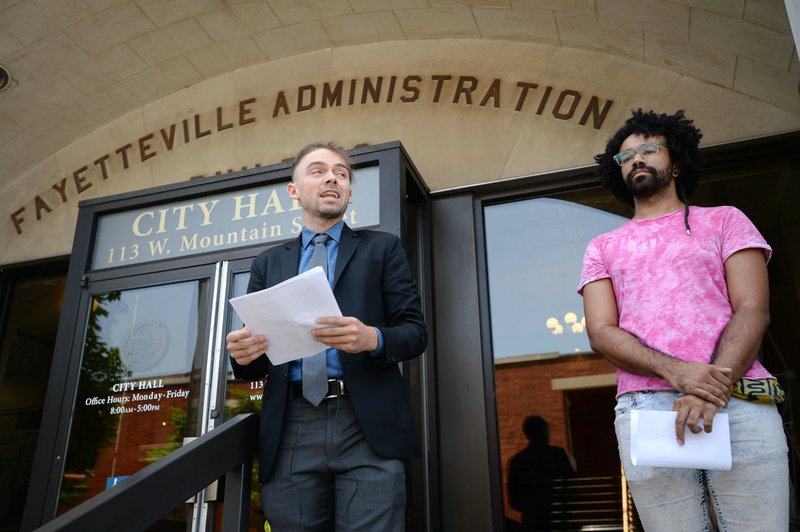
(650, 169)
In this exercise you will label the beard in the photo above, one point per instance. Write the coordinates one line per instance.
(332, 213)
(323, 211)
(648, 184)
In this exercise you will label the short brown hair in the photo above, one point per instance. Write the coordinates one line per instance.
(323, 146)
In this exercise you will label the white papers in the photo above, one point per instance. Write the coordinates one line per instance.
(286, 313)
(653, 442)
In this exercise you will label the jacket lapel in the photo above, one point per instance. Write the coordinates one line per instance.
(290, 260)
(347, 247)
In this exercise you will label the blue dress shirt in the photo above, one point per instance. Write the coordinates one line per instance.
(332, 247)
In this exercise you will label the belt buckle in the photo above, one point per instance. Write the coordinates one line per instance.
(338, 388)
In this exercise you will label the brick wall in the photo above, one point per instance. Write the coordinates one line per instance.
(525, 389)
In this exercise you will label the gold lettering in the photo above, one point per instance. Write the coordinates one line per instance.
(274, 201)
(207, 211)
(181, 210)
(188, 243)
(297, 224)
(275, 231)
(157, 247)
(250, 206)
(162, 221)
(136, 228)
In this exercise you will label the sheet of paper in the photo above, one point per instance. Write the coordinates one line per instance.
(653, 442)
(286, 313)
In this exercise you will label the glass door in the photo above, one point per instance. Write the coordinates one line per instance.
(140, 363)
(149, 364)
(241, 397)
(555, 398)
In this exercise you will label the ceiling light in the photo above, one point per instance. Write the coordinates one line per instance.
(5, 78)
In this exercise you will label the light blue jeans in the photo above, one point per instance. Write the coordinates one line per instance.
(752, 496)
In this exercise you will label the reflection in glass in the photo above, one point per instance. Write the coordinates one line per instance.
(138, 390)
(534, 252)
(240, 281)
(26, 352)
(244, 397)
(534, 473)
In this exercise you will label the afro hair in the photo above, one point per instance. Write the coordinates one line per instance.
(682, 139)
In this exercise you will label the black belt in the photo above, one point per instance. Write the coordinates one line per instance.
(336, 388)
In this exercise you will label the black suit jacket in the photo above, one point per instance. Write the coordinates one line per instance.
(372, 282)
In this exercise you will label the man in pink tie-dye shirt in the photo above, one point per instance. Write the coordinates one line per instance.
(677, 298)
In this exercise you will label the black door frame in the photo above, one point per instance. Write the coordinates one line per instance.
(404, 211)
(470, 474)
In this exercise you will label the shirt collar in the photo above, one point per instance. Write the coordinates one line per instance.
(334, 232)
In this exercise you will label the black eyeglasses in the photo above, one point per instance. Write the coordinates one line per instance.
(645, 150)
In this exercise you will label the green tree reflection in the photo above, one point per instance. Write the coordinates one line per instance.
(241, 401)
(178, 420)
(92, 426)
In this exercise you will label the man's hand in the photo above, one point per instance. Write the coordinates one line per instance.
(706, 381)
(245, 347)
(346, 333)
(691, 409)
(624, 350)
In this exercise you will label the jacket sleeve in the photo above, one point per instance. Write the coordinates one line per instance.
(259, 368)
(405, 336)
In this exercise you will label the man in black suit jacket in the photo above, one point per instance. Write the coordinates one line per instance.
(339, 464)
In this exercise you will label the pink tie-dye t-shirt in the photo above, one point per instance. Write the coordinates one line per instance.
(670, 287)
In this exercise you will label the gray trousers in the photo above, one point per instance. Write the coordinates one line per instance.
(328, 478)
